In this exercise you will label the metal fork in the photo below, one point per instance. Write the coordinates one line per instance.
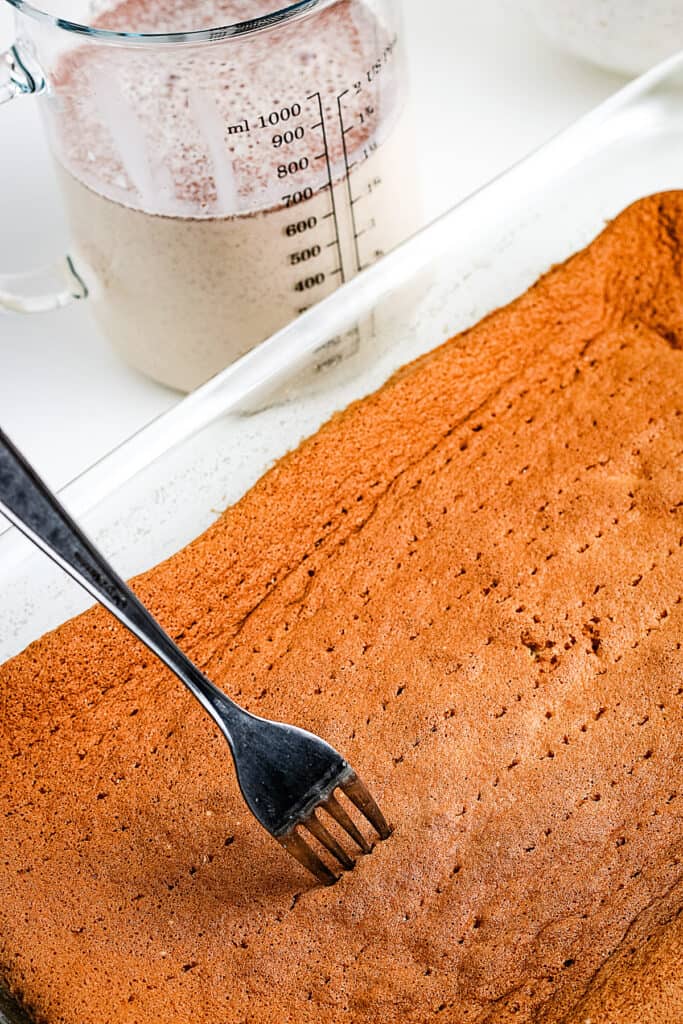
(286, 775)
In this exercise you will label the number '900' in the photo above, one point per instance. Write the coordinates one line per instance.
(286, 138)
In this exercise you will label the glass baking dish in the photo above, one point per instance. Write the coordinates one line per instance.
(168, 482)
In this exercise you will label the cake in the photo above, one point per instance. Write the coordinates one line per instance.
(471, 583)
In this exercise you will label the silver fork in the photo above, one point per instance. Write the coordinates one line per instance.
(286, 775)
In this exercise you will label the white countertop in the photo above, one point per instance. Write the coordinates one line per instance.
(487, 88)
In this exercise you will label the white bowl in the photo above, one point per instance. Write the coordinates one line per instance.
(622, 35)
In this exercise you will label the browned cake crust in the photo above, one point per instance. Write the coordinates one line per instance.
(642, 983)
(471, 583)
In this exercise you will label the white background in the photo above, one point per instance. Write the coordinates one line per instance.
(487, 90)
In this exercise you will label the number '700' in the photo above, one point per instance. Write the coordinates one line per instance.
(294, 198)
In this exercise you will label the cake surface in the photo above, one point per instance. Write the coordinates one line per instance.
(471, 583)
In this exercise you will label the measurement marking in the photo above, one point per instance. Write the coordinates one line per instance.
(320, 156)
(237, 129)
(344, 133)
(333, 211)
(337, 271)
(352, 165)
(318, 123)
(359, 234)
(330, 244)
(327, 217)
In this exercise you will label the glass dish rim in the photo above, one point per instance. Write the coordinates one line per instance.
(218, 34)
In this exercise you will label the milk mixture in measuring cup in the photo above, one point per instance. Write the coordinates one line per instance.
(274, 168)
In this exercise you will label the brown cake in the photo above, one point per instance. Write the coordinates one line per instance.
(472, 584)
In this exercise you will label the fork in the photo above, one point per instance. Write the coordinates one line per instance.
(286, 775)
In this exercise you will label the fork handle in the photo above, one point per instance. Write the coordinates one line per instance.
(28, 503)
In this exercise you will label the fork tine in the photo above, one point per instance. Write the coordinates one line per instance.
(359, 795)
(336, 811)
(301, 851)
(317, 829)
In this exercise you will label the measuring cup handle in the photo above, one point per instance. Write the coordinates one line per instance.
(52, 286)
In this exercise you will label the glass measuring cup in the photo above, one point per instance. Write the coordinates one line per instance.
(218, 180)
